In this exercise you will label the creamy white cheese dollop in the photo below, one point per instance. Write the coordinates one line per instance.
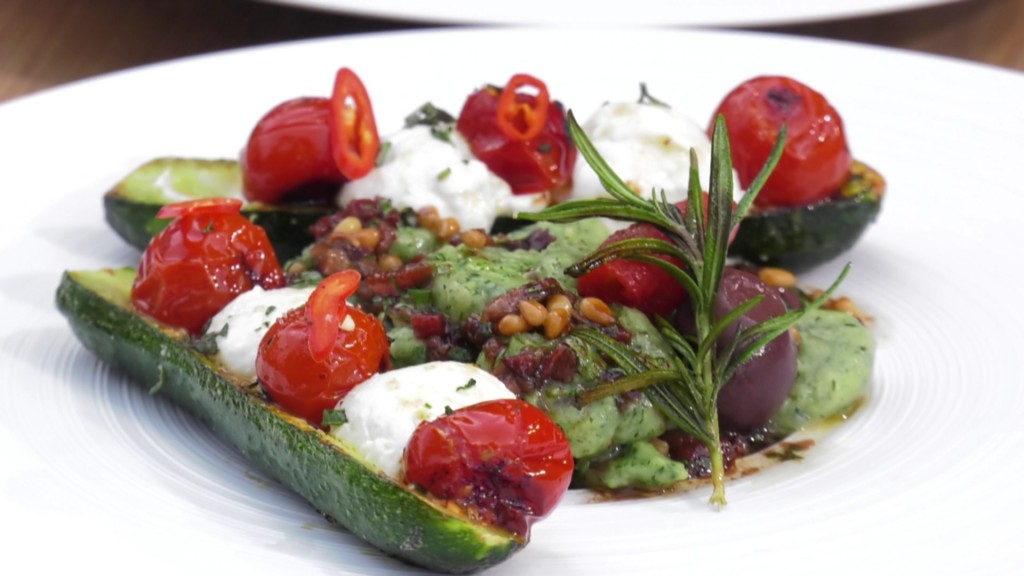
(239, 327)
(648, 146)
(420, 169)
(383, 412)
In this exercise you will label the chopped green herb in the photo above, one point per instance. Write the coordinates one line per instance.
(440, 122)
(385, 147)
(448, 411)
(270, 310)
(335, 417)
(444, 174)
(207, 343)
(467, 385)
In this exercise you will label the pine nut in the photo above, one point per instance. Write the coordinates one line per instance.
(595, 310)
(844, 304)
(511, 324)
(777, 277)
(560, 302)
(475, 239)
(447, 228)
(428, 218)
(533, 312)
(348, 225)
(389, 262)
(659, 445)
(367, 238)
(555, 323)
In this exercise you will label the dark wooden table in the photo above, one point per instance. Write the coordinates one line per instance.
(45, 43)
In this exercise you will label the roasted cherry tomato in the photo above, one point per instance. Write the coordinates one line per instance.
(640, 285)
(303, 149)
(312, 356)
(354, 139)
(816, 159)
(289, 154)
(205, 257)
(504, 461)
(520, 136)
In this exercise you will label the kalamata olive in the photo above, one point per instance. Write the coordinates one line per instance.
(760, 385)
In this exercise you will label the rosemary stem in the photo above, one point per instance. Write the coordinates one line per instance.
(717, 500)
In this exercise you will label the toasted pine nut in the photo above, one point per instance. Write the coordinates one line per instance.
(777, 277)
(389, 262)
(367, 238)
(511, 324)
(555, 323)
(533, 312)
(559, 302)
(475, 239)
(428, 218)
(447, 228)
(659, 445)
(844, 304)
(595, 310)
(348, 225)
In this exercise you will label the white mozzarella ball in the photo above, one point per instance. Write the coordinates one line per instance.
(420, 169)
(383, 412)
(239, 327)
(648, 146)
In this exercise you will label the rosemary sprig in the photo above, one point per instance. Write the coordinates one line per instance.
(686, 390)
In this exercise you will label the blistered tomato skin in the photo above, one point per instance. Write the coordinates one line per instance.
(288, 156)
(306, 387)
(760, 386)
(504, 461)
(816, 159)
(200, 262)
(639, 285)
(539, 164)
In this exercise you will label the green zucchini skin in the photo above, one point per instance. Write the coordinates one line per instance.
(130, 207)
(803, 237)
(397, 520)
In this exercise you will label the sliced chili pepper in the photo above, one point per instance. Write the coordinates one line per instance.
(522, 116)
(326, 310)
(354, 139)
(209, 206)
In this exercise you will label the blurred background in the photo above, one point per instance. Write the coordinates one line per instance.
(46, 43)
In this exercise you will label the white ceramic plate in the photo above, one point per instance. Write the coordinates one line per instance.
(96, 473)
(616, 12)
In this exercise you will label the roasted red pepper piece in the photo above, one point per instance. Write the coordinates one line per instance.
(640, 285)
